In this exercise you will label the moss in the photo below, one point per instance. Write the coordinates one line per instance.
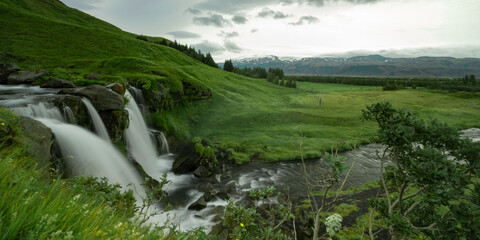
(116, 122)
(345, 209)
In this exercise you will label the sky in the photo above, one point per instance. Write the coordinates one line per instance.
(233, 29)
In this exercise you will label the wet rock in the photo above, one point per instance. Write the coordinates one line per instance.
(75, 104)
(93, 76)
(198, 205)
(117, 87)
(39, 140)
(6, 69)
(116, 122)
(185, 163)
(101, 97)
(57, 83)
(205, 187)
(222, 195)
(25, 77)
(201, 172)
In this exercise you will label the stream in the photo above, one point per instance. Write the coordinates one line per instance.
(88, 147)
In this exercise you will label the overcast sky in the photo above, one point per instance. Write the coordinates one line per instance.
(302, 28)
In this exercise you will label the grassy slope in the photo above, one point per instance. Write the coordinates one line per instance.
(249, 115)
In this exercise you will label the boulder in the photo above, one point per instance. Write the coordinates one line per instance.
(199, 204)
(25, 77)
(93, 76)
(57, 83)
(101, 97)
(116, 122)
(39, 140)
(185, 163)
(222, 195)
(117, 87)
(201, 172)
(6, 69)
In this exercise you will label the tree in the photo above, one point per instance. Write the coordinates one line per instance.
(473, 80)
(428, 194)
(228, 65)
(209, 61)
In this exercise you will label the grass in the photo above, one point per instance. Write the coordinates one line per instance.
(248, 116)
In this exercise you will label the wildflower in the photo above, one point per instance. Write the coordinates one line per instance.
(241, 224)
(3, 124)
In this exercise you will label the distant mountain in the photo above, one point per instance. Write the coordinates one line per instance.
(368, 66)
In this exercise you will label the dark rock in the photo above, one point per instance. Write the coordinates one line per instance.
(201, 172)
(57, 83)
(205, 187)
(25, 77)
(216, 229)
(117, 87)
(93, 76)
(116, 122)
(222, 195)
(185, 163)
(6, 69)
(39, 141)
(101, 97)
(198, 205)
(75, 104)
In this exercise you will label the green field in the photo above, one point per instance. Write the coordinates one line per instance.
(269, 120)
(249, 116)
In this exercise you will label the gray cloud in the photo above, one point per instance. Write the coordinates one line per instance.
(321, 3)
(267, 12)
(239, 19)
(81, 5)
(216, 20)
(254, 30)
(228, 34)
(210, 47)
(232, 47)
(193, 11)
(232, 6)
(305, 19)
(183, 34)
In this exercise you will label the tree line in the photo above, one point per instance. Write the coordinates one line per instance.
(188, 50)
(468, 83)
(273, 75)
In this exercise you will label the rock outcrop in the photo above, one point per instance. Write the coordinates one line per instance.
(57, 83)
(25, 77)
(117, 87)
(39, 140)
(101, 97)
(6, 69)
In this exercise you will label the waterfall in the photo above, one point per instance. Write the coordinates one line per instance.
(165, 148)
(140, 101)
(41, 110)
(139, 143)
(87, 154)
(100, 128)
(69, 116)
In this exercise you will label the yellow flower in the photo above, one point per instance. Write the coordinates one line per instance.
(241, 224)
(3, 124)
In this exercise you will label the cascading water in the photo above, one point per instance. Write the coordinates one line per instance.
(87, 154)
(100, 128)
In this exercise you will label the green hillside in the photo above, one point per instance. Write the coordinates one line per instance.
(251, 117)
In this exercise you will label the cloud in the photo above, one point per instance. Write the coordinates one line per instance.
(232, 47)
(183, 34)
(267, 12)
(305, 19)
(254, 30)
(233, 6)
(228, 34)
(82, 5)
(239, 19)
(321, 3)
(210, 47)
(193, 11)
(216, 20)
